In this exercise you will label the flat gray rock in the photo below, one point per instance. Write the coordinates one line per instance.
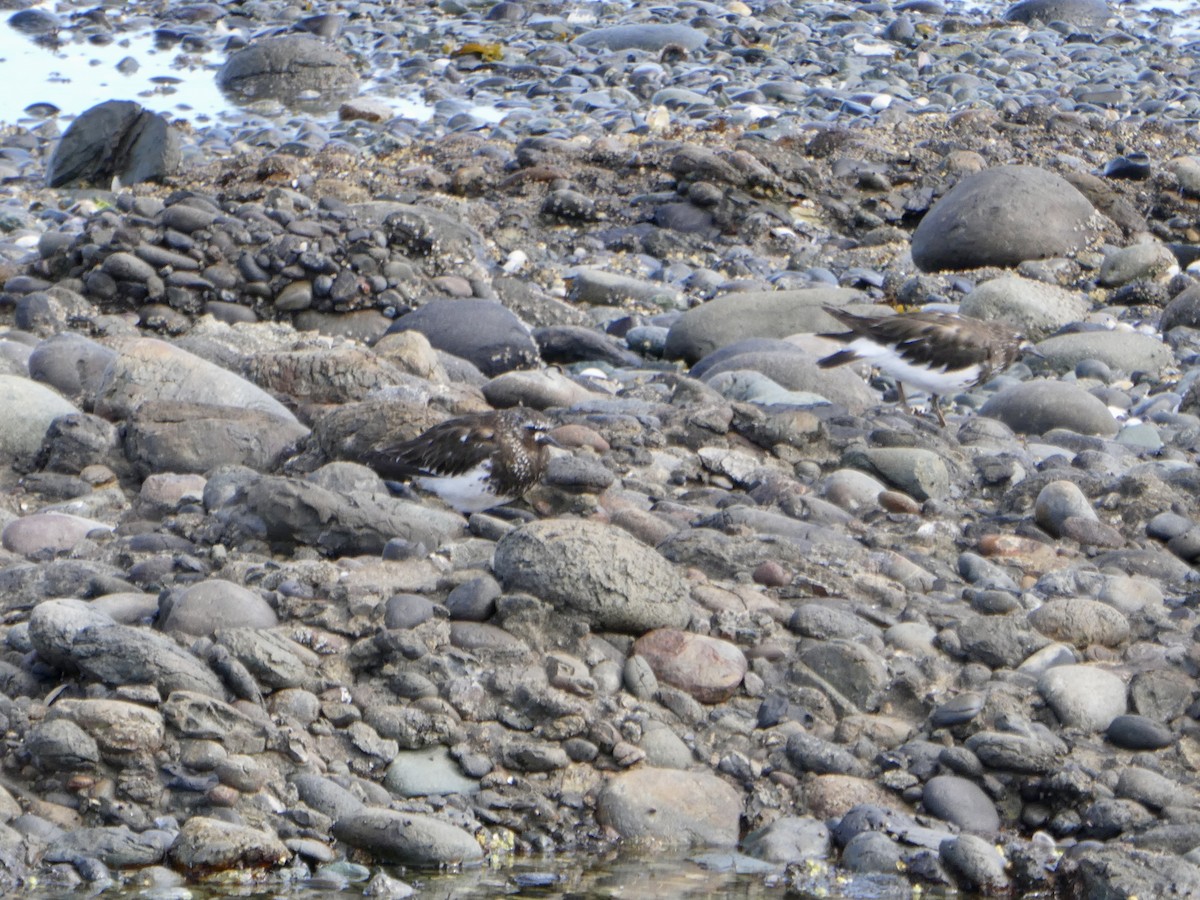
(643, 36)
(1002, 216)
(407, 839)
(177, 436)
(1035, 407)
(770, 314)
(149, 369)
(1124, 351)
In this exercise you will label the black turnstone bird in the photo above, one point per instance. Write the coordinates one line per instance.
(474, 462)
(936, 352)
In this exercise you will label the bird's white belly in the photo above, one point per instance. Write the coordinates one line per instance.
(932, 381)
(469, 492)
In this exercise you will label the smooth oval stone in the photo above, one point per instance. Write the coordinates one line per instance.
(1035, 407)
(1001, 217)
(672, 808)
(1133, 732)
(962, 803)
(1085, 697)
(26, 410)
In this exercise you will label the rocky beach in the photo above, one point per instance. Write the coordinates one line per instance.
(756, 611)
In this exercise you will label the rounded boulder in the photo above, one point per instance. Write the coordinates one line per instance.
(1002, 216)
(601, 573)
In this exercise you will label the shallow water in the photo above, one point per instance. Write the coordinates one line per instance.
(625, 875)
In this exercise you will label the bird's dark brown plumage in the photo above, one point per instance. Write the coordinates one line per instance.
(504, 450)
(935, 351)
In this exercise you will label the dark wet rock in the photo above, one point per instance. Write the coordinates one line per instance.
(61, 746)
(809, 753)
(596, 571)
(672, 808)
(961, 802)
(180, 436)
(1099, 870)
(68, 633)
(1133, 732)
(496, 341)
(708, 669)
(206, 846)
(407, 838)
(115, 845)
(286, 67)
(1001, 217)
(791, 839)
(1035, 407)
(115, 139)
(770, 314)
(976, 861)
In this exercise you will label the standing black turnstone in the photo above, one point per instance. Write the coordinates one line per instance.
(474, 462)
(936, 352)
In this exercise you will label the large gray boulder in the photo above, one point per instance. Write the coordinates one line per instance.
(600, 572)
(1002, 217)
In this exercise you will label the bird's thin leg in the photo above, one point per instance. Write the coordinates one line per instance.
(937, 408)
(903, 399)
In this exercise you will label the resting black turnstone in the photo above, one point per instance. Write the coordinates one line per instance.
(473, 462)
(937, 352)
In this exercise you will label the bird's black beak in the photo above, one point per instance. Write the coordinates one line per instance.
(1029, 348)
(545, 439)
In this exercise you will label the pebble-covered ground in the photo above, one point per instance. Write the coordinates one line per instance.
(755, 607)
